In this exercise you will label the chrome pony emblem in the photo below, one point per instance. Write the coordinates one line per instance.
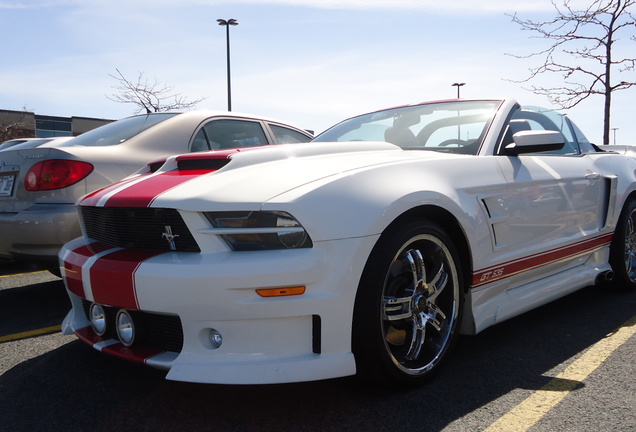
(1, 164)
(170, 237)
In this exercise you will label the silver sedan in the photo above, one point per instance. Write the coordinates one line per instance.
(39, 186)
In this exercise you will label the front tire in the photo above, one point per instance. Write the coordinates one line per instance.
(408, 306)
(623, 249)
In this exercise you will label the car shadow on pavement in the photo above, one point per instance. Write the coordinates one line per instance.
(75, 388)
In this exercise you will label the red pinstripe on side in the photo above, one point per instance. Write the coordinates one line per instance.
(511, 268)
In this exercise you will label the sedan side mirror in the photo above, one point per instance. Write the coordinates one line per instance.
(535, 141)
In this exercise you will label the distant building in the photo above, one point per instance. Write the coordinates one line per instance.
(24, 124)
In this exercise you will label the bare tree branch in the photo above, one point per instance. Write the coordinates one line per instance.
(148, 96)
(581, 49)
(16, 125)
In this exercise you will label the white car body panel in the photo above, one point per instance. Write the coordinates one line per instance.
(531, 228)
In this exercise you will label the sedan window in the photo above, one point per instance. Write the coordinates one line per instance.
(119, 131)
(226, 134)
(285, 135)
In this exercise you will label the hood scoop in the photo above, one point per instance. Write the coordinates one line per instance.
(203, 161)
(205, 164)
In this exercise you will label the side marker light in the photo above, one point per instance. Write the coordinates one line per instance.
(281, 292)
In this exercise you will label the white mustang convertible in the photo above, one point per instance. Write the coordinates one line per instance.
(367, 251)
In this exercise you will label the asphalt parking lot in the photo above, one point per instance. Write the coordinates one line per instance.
(567, 366)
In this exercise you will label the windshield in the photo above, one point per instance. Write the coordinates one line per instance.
(452, 127)
(119, 131)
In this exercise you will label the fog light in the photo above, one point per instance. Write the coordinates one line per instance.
(125, 328)
(215, 338)
(97, 317)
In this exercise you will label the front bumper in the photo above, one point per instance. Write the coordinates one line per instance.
(37, 233)
(265, 340)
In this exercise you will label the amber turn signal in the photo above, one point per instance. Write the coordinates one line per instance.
(281, 292)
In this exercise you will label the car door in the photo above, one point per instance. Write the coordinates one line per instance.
(554, 209)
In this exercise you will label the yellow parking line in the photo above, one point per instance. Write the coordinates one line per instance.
(23, 273)
(31, 333)
(536, 406)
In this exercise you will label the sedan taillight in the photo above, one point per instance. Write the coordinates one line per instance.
(56, 174)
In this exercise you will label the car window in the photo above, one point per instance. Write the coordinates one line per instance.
(285, 135)
(584, 144)
(11, 143)
(226, 134)
(119, 131)
(450, 127)
(535, 118)
(200, 142)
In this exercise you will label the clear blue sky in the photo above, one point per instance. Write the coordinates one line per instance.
(309, 62)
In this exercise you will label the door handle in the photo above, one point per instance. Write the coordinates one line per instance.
(592, 176)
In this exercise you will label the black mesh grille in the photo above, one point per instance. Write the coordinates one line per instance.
(158, 331)
(138, 228)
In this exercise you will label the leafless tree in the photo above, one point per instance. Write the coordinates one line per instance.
(16, 124)
(584, 49)
(148, 95)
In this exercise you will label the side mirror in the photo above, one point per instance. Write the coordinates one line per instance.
(535, 141)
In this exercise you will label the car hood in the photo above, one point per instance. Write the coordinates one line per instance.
(250, 178)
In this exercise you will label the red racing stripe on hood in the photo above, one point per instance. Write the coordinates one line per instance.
(141, 190)
(141, 194)
(93, 198)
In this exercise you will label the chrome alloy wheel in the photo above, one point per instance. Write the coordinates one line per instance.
(623, 249)
(420, 304)
(630, 246)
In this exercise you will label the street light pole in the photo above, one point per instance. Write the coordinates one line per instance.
(458, 85)
(227, 24)
(614, 129)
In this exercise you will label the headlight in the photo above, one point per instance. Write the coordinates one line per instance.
(259, 230)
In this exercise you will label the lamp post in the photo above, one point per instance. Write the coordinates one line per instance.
(458, 85)
(227, 24)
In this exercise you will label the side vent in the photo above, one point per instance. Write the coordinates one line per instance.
(316, 322)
